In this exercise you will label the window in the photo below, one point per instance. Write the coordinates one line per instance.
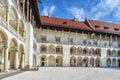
(71, 40)
(43, 38)
(96, 26)
(57, 39)
(116, 29)
(106, 27)
(57, 60)
(64, 22)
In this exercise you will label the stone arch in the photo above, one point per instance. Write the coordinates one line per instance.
(97, 61)
(43, 60)
(108, 62)
(73, 61)
(114, 62)
(21, 56)
(59, 61)
(59, 49)
(73, 50)
(109, 53)
(13, 54)
(51, 61)
(85, 50)
(79, 50)
(13, 19)
(79, 61)
(43, 49)
(51, 49)
(92, 61)
(85, 62)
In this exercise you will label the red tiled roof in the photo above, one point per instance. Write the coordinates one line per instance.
(45, 20)
(111, 26)
(59, 22)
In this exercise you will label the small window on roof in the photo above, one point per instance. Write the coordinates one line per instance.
(106, 27)
(96, 26)
(116, 29)
(64, 22)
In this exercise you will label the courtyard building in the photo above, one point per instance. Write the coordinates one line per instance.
(28, 40)
(72, 43)
(18, 18)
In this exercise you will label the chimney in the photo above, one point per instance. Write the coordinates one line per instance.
(74, 19)
(49, 14)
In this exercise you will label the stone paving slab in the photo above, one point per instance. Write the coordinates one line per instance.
(68, 73)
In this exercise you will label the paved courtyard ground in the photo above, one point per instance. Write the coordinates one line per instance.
(68, 73)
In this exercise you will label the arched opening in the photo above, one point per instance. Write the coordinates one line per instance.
(85, 51)
(21, 28)
(59, 50)
(73, 50)
(114, 53)
(43, 60)
(13, 54)
(79, 50)
(51, 61)
(59, 61)
(118, 52)
(43, 49)
(13, 19)
(118, 62)
(73, 61)
(114, 63)
(108, 62)
(3, 45)
(79, 61)
(92, 62)
(21, 57)
(21, 5)
(51, 49)
(3, 8)
(98, 61)
(85, 62)
(109, 52)
(91, 51)
(98, 52)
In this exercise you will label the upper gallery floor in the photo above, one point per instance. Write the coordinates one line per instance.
(88, 32)
(15, 13)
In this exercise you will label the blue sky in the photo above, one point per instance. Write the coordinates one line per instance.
(103, 10)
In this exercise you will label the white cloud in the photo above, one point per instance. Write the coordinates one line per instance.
(48, 9)
(78, 13)
(105, 8)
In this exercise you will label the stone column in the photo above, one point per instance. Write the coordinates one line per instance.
(16, 60)
(2, 60)
(28, 10)
(22, 65)
(6, 59)
(47, 63)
